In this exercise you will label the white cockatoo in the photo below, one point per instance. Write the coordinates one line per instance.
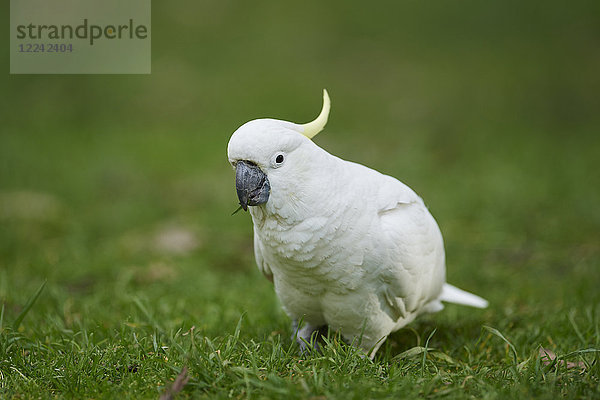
(345, 246)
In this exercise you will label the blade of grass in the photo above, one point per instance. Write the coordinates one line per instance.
(28, 306)
(496, 332)
(579, 353)
(149, 317)
(425, 351)
(412, 352)
(575, 327)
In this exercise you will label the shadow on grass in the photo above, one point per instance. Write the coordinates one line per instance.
(449, 335)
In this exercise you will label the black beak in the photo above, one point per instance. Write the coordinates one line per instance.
(251, 184)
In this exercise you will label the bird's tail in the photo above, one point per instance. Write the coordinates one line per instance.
(452, 294)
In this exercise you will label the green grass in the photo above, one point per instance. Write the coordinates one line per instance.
(116, 192)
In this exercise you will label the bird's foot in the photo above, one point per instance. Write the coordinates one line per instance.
(308, 336)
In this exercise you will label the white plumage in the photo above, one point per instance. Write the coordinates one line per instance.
(344, 245)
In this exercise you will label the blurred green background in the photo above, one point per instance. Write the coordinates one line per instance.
(118, 187)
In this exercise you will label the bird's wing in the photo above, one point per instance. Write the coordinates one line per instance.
(412, 271)
(260, 260)
(391, 193)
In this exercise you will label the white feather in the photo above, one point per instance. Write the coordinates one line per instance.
(452, 294)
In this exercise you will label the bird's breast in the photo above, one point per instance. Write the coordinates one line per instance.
(318, 254)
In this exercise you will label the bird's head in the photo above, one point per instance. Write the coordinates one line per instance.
(270, 154)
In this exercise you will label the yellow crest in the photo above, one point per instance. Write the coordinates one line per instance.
(316, 126)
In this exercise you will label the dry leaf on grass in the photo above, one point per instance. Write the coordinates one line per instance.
(548, 357)
(177, 386)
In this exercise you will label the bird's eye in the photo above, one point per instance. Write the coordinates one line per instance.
(277, 160)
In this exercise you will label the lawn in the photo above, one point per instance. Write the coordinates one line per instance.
(121, 264)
